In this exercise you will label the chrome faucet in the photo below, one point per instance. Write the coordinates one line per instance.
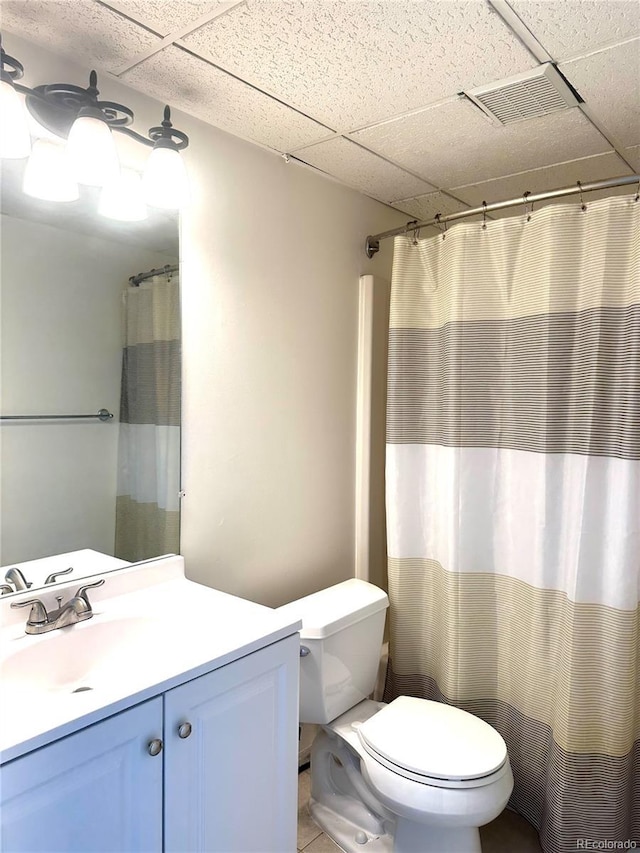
(16, 577)
(77, 609)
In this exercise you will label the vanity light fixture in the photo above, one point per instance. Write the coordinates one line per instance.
(15, 141)
(165, 177)
(75, 114)
(47, 174)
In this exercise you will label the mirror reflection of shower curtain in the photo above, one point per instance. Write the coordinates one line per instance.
(147, 503)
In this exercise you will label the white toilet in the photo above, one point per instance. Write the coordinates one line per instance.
(413, 776)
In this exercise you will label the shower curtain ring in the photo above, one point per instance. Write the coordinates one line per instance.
(583, 206)
(408, 227)
(484, 215)
(441, 225)
(527, 210)
(637, 198)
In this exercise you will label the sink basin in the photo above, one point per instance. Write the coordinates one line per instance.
(77, 658)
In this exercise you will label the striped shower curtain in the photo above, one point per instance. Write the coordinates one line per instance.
(513, 491)
(147, 504)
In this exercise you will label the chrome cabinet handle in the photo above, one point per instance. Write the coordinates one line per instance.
(154, 747)
(184, 730)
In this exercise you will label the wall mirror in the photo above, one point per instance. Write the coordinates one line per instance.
(78, 337)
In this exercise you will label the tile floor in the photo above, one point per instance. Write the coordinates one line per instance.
(509, 833)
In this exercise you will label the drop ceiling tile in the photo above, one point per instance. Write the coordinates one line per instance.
(428, 206)
(597, 168)
(325, 58)
(455, 144)
(588, 198)
(569, 27)
(633, 156)
(91, 33)
(194, 86)
(362, 170)
(167, 16)
(609, 83)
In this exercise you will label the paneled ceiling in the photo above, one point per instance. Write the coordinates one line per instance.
(371, 92)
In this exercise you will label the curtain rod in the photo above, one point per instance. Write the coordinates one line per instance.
(372, 244)
(135, 280)
(101, 415)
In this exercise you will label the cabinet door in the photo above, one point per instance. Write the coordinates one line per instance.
(97, 790)
(231, 784)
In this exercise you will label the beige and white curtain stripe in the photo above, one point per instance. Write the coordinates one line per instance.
(513, 492)
(147, 505)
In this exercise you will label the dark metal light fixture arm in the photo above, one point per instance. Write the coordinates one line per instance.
(134, 135)
(167, 135)
(16, 69)
(56, 106)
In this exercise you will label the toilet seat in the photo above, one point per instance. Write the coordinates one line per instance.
(434, 743)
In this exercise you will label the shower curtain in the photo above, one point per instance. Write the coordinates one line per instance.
(147, 503)
(513, 492)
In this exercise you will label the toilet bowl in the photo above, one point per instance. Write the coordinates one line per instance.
(364, 799)
(413, 776)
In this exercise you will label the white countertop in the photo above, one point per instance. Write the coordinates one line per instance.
(182, 630)
(84, 562)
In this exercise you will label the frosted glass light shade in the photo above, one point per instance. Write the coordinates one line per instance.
(15, 141)
(47, 173)
(165, 179)
(91, 151)
(123, 198)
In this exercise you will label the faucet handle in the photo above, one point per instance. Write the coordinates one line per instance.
(38, 615)
(53, 577)
(82, 591)
(6, 588)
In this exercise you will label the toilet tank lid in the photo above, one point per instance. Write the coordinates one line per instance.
(332, 609)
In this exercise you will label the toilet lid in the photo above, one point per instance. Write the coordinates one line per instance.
(433, 739)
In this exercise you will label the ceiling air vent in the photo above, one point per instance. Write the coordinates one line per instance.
(534, 93)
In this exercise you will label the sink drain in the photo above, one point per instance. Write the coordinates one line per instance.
(81, 689)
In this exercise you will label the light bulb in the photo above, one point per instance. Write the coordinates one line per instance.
(123, 199)
(165, 179)
(47, 174)
(91, 152)
(15, 141)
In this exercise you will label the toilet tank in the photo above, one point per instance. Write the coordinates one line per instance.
(342, 629)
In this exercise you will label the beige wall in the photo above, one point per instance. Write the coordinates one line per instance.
(271, 253)
(371, 534)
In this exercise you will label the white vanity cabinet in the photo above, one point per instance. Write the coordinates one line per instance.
(96, 790)
(231, 785)
(224, 780)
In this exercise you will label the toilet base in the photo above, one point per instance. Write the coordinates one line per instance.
(341, 803)
(348, 834)
(409, 837)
